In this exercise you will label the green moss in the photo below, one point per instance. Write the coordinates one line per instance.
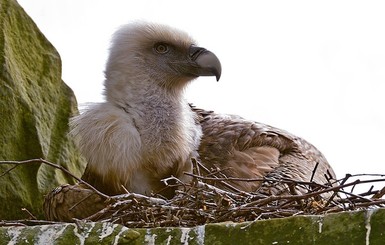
(344, 228)
(35, 106)
(83, 233)
(341, 228)
(375, 224)
(276, 231)
(171, 236)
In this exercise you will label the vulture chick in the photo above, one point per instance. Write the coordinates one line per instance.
(146, 131)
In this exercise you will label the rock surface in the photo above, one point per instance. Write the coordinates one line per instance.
(358, 227)
(35, 106)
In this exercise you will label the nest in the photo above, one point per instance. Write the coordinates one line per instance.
(200, 202)
(209, 198)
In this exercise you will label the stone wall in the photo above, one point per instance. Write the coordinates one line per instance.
(358, 227)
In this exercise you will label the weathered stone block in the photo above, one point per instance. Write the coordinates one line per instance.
(357, 227)
(35, 106)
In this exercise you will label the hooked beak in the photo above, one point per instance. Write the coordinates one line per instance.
(204, 62)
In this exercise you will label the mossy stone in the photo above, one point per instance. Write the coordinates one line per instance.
(35, 107)
(356, 227)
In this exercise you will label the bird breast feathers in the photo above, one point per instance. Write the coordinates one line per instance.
(108, 139)
(113, 140)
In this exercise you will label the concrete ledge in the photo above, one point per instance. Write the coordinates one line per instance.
(357, 227)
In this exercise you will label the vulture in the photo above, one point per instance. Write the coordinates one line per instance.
(146, 131)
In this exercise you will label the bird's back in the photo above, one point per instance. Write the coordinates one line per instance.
(239, 148)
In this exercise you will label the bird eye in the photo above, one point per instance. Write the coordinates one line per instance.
(161, 48)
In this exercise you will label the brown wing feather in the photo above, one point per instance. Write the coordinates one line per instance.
(72, 201)
(246, 149)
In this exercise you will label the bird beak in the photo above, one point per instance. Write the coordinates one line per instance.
(204, 62)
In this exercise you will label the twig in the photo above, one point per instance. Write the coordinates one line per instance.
(29, 213)
(225, 179)
(18, 163)
(314, 171)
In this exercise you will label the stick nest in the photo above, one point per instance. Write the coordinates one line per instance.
(199, 202)
(209, 198)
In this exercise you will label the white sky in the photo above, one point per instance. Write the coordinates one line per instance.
(313, 68)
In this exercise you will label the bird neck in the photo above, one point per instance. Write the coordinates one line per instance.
(151, 105)
(160, 110)
(140, 90)
(165, 123)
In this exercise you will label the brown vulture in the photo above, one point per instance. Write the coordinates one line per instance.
(145, 131)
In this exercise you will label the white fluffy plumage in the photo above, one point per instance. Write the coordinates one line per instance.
(145, 131)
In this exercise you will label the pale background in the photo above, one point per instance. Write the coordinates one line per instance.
(313, 68)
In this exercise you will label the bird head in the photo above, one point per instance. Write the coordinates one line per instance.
(165, 56)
